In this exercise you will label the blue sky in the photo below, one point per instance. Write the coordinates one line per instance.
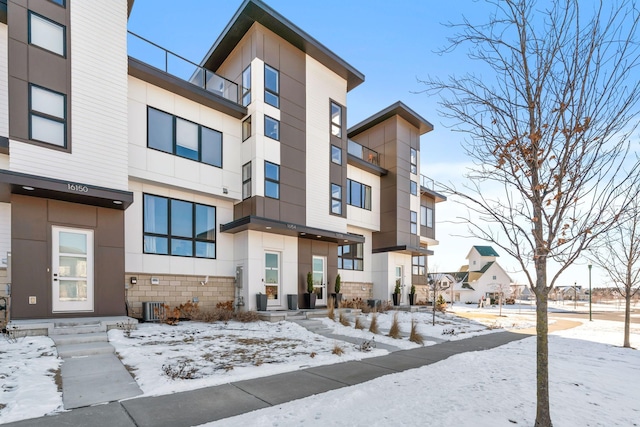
(393, 43)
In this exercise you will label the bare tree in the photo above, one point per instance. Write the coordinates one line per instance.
(618, 254)
(502, 289)
(548, 121)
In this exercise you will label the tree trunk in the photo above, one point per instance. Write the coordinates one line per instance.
(627, 317)
(543, 414)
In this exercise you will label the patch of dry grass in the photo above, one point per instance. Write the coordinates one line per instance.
(337, 350)
(373, 327)
(358, 324)
(343, 319)
(394, 331)
(415, 336)
(330, 309)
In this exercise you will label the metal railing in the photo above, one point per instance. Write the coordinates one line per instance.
(152, 54)
(364, 153)
(427, 182)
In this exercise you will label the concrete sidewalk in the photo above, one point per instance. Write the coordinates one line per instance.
(215, 403)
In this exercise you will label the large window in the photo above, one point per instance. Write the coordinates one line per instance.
(271, 180)
(183, 138)
(418, 265)
(336, 199)
(426, 217)
(246, 180)
(351, 257)
(414, 222)
(336, 120)
(176, 227)
(358, 195)
(271, 86)
(414, 161)
(47, 34)
(272, 128)
(246, 86)
(47, 116)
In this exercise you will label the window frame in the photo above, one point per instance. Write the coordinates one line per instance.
(269, 91)
(169, 236)
(413, 159)
(48, 117)
(246, 179)
(353, 249)
(336, 199)
(174, 138)
(418, 265)
(277, 138)
(246, 90)
(44, 18)
(413, 187)
(336, 149)
(332, 124)
(413, 222)
(364, 191)
(429, 220)
(275, 181)
(246, 128)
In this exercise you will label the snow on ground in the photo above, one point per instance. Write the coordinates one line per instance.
(591, 384)
(474, 389)
(28, 368)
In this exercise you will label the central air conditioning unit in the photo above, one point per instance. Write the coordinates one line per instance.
(152, 311)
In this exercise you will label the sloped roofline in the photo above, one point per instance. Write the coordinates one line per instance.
(400, 109)
(480, 252)
(251, 11)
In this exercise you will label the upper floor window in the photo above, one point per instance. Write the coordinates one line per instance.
(428, 217)
(358, 195)
(183, 138)
(413, 187)
(246, 180)
(271, 86)
(414, 161)
(351, 257)
(423, 216)
(246, 129)
(47, 116)
(336, 199)
(418, 265)
(414, 222)
(46, 34)
(59, 2)
(271, 180)
(336, 120)
(176, 227)
(336, 155)
(272, 128)
(246, 86)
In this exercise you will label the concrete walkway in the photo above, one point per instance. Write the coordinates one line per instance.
(215, 403)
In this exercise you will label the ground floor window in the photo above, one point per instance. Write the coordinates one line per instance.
(179, 228)
(418, 265)
(351, 257)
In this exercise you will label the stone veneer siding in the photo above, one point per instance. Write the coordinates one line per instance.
(174, 290)
(3, 281)
(351, 290)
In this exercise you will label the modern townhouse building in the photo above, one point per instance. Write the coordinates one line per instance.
(123, 181)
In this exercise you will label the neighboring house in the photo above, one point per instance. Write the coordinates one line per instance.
(481, 277)
(120, 182)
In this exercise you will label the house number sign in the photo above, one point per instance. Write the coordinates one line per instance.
(77, 187)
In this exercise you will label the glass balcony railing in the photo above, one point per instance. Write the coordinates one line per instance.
(164, 60)
(364, 153)
(427, 182)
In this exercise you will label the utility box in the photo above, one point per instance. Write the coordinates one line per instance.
(152, 311)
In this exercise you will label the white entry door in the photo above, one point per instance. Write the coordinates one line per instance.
(320, 279)
(72, 269)
(272, 278)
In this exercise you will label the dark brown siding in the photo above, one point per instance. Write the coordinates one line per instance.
(31, 223)
(307, 248)
(32, 64)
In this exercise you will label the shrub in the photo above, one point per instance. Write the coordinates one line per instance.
(126, 327)
(337, 350)
(415, 336)
(227, 305)
(373, 327)
(358, 324)
(343, 319)
(367, 345)
(182, 370)
(396, 290)
(246, 316)
(394, 331)
(309, 282)
(441, 304)
(338, 285)
(330, 309)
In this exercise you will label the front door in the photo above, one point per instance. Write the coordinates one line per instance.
(399, 281)
(272, 277)
(320, 279)
(72, 269)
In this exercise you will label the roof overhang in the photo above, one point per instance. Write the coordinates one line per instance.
(434, 194)
(366, 166)
(397, 109)
(267, 225)
(68, 191)
(405, 249)
(251, 11)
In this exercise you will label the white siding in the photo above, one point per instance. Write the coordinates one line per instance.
(358, 217)
(98, 103)
(155, 166)
(4, 82)
(4, 161)
(384, 265)
(365, 276)
(138, 262)
(322, 85)
(5, 232)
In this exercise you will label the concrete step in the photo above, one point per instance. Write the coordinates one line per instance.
(85, 349)
(69, 339)
(77, 329)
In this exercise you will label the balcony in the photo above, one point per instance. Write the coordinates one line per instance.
(427, 186)
(363, 153)
(427, 182)
(177, 66)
